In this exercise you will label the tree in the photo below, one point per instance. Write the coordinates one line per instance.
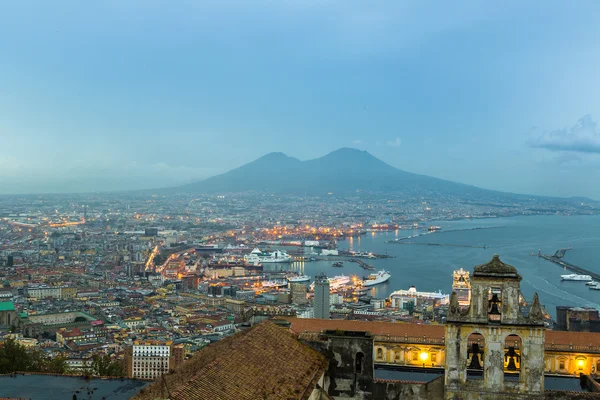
(16, 357)
(103, 365)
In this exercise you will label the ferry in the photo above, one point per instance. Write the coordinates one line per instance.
(300, 278)
(257, 256)
(575, 277)
(335, 283)
(276, 283)
(375, 279)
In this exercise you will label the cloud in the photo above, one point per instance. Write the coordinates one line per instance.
(394, 143)
(583, 137)
(358, 142)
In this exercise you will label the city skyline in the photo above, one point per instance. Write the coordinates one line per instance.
(117, 97)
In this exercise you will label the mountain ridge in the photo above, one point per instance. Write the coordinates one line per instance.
(345, 170)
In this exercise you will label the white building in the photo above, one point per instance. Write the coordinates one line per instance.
(149, 361)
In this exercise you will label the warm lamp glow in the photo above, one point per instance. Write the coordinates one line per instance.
(580, 364)
(423, 356)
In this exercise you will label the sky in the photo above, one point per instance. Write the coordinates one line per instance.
(117, 95)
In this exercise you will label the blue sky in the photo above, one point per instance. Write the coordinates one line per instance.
(128, 94)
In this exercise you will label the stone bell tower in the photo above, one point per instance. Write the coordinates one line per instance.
(495, 345)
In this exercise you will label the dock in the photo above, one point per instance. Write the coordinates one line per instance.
(556, 259)
(362, 264)
(439, 244)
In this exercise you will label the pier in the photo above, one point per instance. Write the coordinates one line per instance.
(362, 264)
(439, 244)
(556, 259)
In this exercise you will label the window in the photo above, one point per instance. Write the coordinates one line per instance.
(379, 353)
(433, 357)
(359, 362)
(415, 356)
(561, 364)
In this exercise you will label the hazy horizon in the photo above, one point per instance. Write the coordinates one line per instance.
(114, 96)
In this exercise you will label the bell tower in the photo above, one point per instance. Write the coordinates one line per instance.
(495, 344)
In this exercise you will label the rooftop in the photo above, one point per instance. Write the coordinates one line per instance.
(51, 387)
(251, 365)
(7, 306)
(496, 268)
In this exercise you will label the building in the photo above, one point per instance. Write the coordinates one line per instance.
(494, 349)
(321, 301)
(8, 315)
(253, 365)
(299, 291)
(147, 361)
(577, 319)
(461, 285)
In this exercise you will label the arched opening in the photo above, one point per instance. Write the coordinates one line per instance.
(379, 353)
(512, 357)
(358, 362)
(475, 356)
(495, 305)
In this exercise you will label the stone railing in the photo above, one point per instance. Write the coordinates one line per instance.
(569, 347)
(409, 339)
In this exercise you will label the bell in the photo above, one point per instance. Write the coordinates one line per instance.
(475, 357)
(511, 359)
(494, 309)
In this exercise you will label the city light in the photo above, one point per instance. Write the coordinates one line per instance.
(423, 356)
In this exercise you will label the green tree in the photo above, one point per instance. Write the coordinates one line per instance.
(103, 365)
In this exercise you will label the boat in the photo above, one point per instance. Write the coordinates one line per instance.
(338, 264)
(575, 277)
(434, 228)
(375, 279)
(300, 278)
(257, 256)
(596, 287)
(335, 283)
(592, 283)
(274, 283)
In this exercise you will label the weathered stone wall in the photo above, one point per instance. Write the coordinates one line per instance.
(400, 390)
(350, 356)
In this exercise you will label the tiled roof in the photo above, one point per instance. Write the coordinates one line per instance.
(301, 325)
(265, 362)
(574, 338)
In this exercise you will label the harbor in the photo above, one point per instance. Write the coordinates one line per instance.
(557, 259)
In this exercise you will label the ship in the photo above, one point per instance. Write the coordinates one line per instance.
(274, 283)
(335, 283)
(575, 277)
(257, 256)
(300, 278)
(375, 279)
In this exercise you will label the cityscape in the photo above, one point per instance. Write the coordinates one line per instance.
(299, 200)
(141, 285)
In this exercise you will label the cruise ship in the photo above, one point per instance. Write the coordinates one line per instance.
(274, 283)
(575, 277)
(257, 256)
(375, 279)
(300, 278)
(335, 283)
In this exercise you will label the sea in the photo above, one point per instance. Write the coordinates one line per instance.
(427, 261)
